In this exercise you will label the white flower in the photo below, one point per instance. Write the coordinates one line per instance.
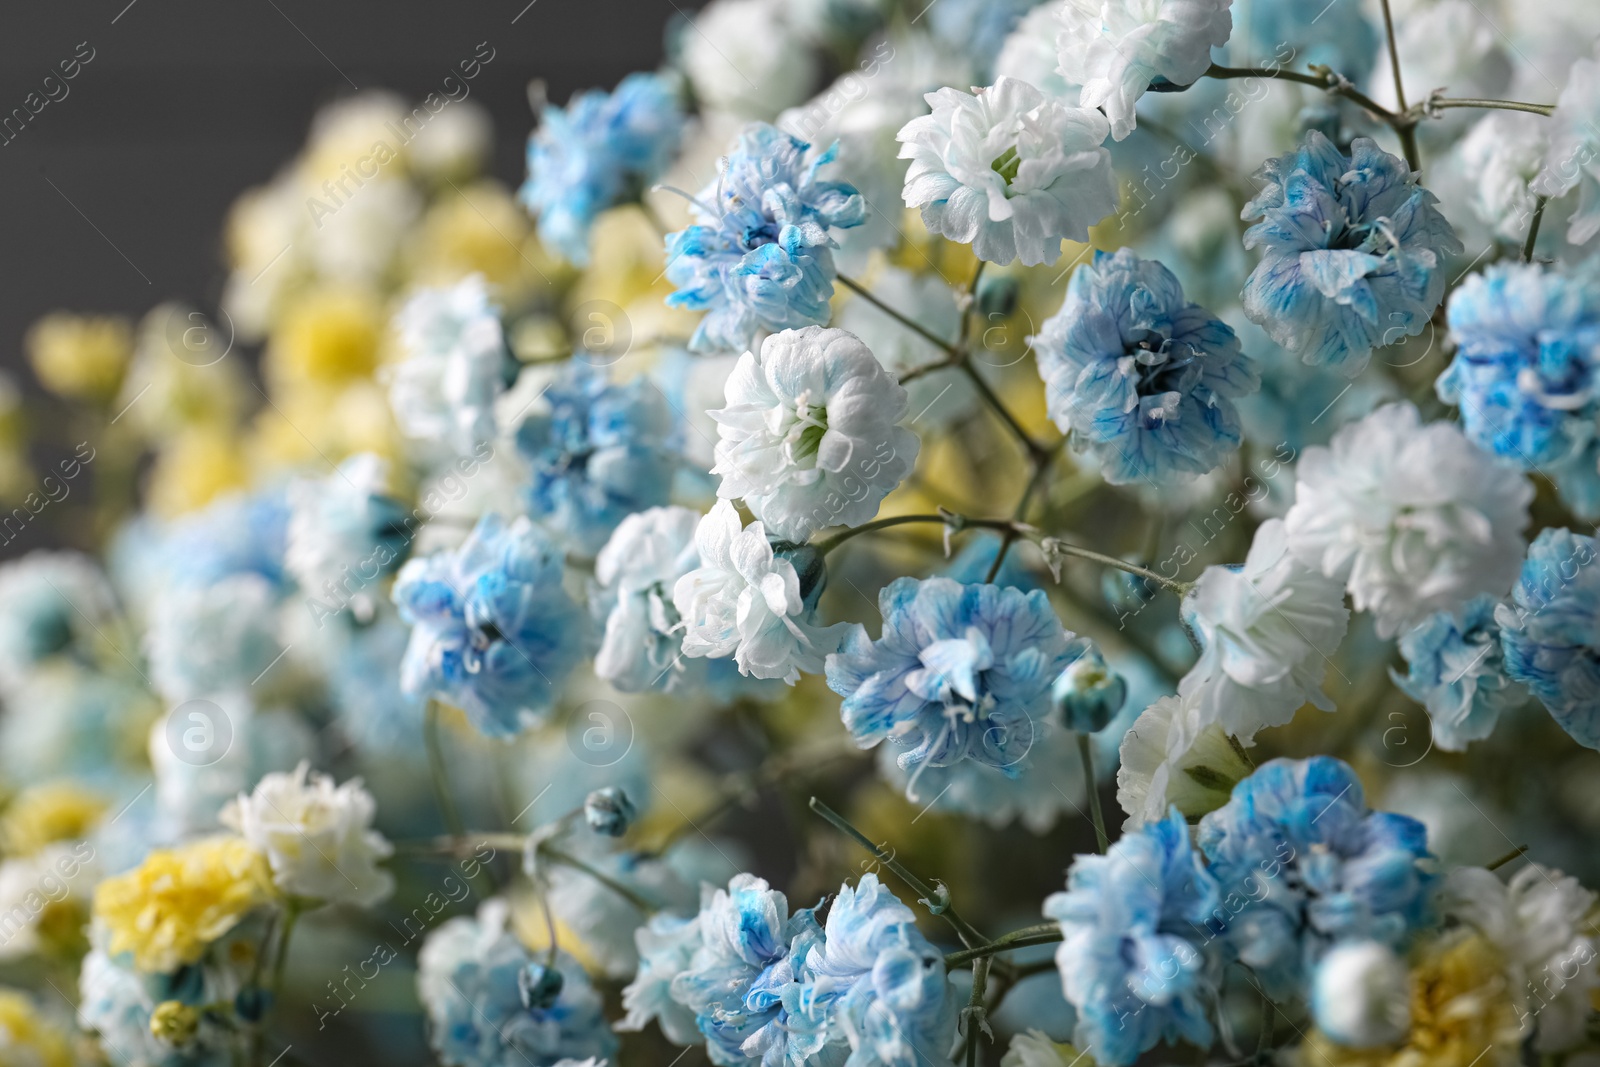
(1501, 155)
(1416, 518)
(455, 143)
(1537, 922)
(445, 389)
(1029, 55)
(214, 638)
(745, 57)
(1266, 631)
(1033, 1048)
(1168, 757)
(318, 837)
(341, 531)
(941, 398)
(1008, 172)
(57, 878)
(745, 602)
(1573, 160)
(1361, 996)
(635, 574)
(1116, 48)
(808, 438)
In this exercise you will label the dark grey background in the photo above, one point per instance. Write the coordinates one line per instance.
(115, 196)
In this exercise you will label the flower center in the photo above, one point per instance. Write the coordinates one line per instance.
(1006, 165)
(805, 433)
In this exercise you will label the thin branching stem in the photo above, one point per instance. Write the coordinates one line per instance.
(909, 323)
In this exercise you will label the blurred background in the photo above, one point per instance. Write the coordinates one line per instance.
(117, 192)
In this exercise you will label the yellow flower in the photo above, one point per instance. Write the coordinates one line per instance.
(80, 356)
(52, 811)
(25, 1036)
(196, 466)
(1461, 1014)
(328, 336)
(169, 909)
(184, 373)
(174, 1022)
(481, 230)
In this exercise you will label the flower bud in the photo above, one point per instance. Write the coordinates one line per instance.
(174, 1023)
(1088, 693)
(1361, 995)
(539, 986)
(609, 811)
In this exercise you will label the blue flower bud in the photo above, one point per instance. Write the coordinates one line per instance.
(609, 811)
(1088, 693)
(538, 986)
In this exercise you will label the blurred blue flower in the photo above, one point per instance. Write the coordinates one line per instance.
(1353, 252)
(1304, 864)
(483, 1011)
(1142, 379)
(362, 661)
(1524, 374)
(1551, 630)
(961, 672)
(760, 255)
(1128, 961)
(237, 534)
(1456, 669)
(493, 631)
(345, 534)
(209, 639)
(1338, 36)
(600, 452)
(977, 29)
(601, 150)
(51, 604)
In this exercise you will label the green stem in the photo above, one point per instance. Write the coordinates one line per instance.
(638, 900)
(436, 770)
(976, 1010)
(1176, 588)
(1441, 102)
(928, 368)
(1507, 858)
(1086, 754)
(1041, 467)
(1039, 934)
(1033, 448)
(909, 323)
(935, 900)
(1394, 57)
(291, 913)
(824, 547)
(1533, 228)
(1337, 85)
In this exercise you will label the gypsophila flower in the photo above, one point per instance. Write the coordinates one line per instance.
(1116, 48)
(477, 982)
(1315, 867)
(1168, 759)
(747, 601)
(116, 1002)
(1503, 154)
(1572, 160)
(493, 631)
(1457, 670)
(1037, 792)
(1353, 252)
(810, 434)
(976, 28)
(1008, 172)
(1548, 631)
(880, 981)
(1142, 379)
(1088, 694)
(744, 57)
(1360, 995)
(599, 450)
(317, 837)
(205, 640)
(601, 150)
(667, 944)
(1266, 631)
(1539, 922)
(632, 598)
(1127, 959)
(345, 534)
(50, 603)
(962, 671)
(1414, 518)
(1525, 374)
(759, 257)
(455, 366)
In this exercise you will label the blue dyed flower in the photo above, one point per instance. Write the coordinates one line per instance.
(237, 534)
(1088, 693)
(961, 672)
(1551, 631)
(1353, 251)
(1525, 374)
(1341, 37)
(1457, 670)
(737, 976)
(51, 603)
(760, 256)
(1306, 865)
(1142, 379)
(1128, 959)
(345, 534)
(493, 631)
(601, 150)
(875, 981)
(490, 1003)
(362, 661)
(600, 452)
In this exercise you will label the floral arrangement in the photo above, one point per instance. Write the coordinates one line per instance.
(1071, 544)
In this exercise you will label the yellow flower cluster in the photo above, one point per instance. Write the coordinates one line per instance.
(52, 811)
(1461, 1014)
(80, 356)
(167, 910)
(26, 1037)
